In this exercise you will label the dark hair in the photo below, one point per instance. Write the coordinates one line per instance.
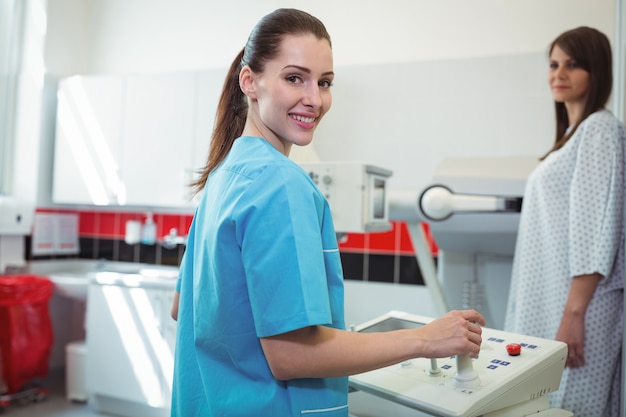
(591, 50)
(262, 46)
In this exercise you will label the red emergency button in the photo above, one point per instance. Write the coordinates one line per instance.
(514, 349)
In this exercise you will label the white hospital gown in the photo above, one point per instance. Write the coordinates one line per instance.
(572, 224)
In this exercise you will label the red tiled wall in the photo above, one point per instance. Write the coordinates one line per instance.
(111, 225)
(395, 241)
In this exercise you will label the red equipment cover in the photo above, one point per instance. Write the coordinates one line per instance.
(26, 336)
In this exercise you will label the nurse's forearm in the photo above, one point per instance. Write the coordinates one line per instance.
(318, 351)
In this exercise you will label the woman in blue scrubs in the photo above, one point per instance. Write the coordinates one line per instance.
(259, 300)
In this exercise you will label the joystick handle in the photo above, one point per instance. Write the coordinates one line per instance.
(434, 368)
(466, 376)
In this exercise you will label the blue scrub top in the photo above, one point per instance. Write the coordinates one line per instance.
(261, 259)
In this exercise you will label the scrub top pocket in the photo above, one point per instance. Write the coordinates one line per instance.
(341, 411)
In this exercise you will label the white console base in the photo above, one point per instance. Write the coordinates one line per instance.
(506, 383)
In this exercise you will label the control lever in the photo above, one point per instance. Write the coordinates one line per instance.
(466, 376)
(434, 368)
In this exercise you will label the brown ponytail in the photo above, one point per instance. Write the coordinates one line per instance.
(229, 122)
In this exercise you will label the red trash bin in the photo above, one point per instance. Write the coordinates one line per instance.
(26, 336)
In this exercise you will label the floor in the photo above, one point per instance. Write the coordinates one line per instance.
(54, 405)
(57, 405)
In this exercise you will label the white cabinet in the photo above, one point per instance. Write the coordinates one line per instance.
(208, 89)
(157, 139)
(88, 140)
(134, 140)
(130, 345)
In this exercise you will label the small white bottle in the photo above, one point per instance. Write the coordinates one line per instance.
(148, 231)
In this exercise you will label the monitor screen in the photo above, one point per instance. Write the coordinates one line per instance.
(391, 323)
(378, 199)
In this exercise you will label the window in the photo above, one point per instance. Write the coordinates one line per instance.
(11, 18)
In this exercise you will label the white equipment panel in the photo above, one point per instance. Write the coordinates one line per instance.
(345, 185)
(441, 387)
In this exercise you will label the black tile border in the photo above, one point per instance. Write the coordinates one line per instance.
(371, 267)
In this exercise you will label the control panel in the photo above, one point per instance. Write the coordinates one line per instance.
(510, 369)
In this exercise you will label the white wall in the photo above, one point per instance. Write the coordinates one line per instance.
(111, 36)
(427, 79)
(408, 116)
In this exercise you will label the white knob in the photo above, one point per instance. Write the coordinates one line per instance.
(436, 203)
(439, 203)
(466, 376)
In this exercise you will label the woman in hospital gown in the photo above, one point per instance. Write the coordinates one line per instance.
(568, 273)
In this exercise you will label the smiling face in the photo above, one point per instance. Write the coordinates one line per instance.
(287, 101)
(568, 82)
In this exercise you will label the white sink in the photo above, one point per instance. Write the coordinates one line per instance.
(71, 284)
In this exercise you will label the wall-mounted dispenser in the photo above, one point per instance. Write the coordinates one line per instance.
(148, 230)
(16, 217)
